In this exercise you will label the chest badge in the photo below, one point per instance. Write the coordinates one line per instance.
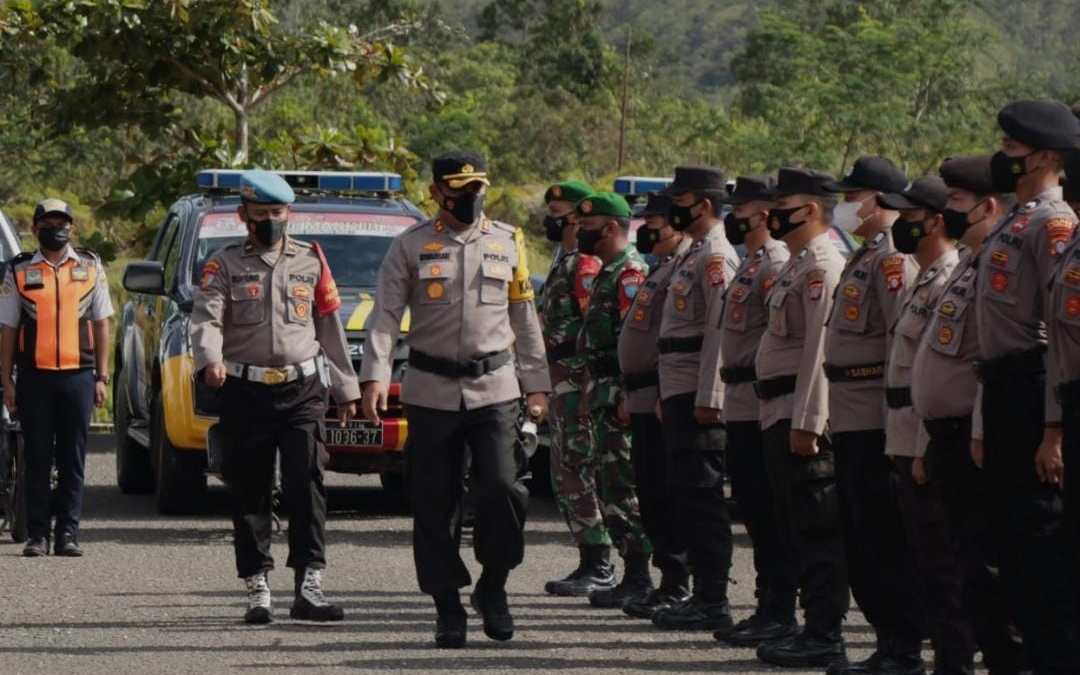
(852, 292)
(947, 309)
(79, 273)
(435, 290)
(1072, 306)
(253, 291)
(946, 335)
(34, 278)
(999, 282)
(640, 315)
(680, 304)
(851, 312)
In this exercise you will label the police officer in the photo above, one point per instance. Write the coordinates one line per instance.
(794, 411)
(742, 324)
(475, 347)
(692, 396)
(563, 301)
(638, 361)
(866, 307)
(54, 309)
(1021, 416)
(265, 330)
(1064, 336)
(919, 232)
(604, 220)
(967, 608)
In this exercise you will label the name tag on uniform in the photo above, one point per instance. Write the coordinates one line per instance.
(34, 278)
(79, 273)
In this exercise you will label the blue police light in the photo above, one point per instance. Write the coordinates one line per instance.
(639, 185)
(323, 181)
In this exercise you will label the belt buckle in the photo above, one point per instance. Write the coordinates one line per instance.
(275, 375)
(474, 368)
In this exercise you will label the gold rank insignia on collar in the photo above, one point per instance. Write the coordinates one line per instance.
(485, 227)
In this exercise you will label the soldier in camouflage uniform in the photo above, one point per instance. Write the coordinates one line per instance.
(604, 222)
(562, 305)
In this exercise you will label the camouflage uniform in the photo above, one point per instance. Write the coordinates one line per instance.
(612, 295)
(562, 305)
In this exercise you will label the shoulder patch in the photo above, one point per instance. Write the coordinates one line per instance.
(893, 269)
(715, 270)
(629, 284)
(209, 271)
(1058, 233)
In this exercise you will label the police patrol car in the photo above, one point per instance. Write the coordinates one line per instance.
(161, 435)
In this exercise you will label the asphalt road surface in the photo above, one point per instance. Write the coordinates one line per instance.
(158, 594)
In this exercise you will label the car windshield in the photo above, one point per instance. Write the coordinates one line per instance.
(354, 243)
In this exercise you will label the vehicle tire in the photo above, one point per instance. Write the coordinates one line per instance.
(181, 476)
(18, 498)
(134, 470)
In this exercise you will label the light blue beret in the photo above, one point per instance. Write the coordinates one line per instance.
(263, 187)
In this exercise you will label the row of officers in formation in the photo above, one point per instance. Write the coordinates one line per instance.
(899, 424)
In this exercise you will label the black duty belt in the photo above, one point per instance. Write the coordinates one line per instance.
(637, 381)
(603, 366)
(863, 371)
(775, 387)
(683, 345)
(947, 426)
(563, 351)
(898, 397)
(459, 369)
(738, 375)
(1028, 362)
(1068, 394)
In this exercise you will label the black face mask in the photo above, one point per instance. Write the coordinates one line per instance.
(907, 234)
(957, 223)
(680, 217)
(466, 207)
(269, 231)
(1005, 171)
(647, 239)
(53, 238)
(782, 219)
(553, 227)
(588, 239)
(736, 229)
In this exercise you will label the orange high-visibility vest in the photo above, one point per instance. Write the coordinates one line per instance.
(55, 332)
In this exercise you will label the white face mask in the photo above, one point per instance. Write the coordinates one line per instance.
(846, 216)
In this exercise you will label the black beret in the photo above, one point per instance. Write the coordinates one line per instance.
(697, 178)
(751, 189)
(792, 181)
(870, 173)
(458, 169)
(968, 173)
(1041, 125)
(657, 205)
(929, 192)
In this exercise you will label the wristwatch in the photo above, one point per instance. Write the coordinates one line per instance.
(104, 379)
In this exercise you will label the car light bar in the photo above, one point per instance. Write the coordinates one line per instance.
(638, 185)
(325, 181)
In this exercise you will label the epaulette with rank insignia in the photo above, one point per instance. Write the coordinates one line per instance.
(89, 255)
(25, 256)
(505, 227)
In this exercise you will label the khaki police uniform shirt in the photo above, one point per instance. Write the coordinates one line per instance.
(1064, 315)
(692, 309)
(902, 425)
(259, 306)
(637, 341)
(1016, 268)
(867, 304)
(794, 341)
(943, 382)
(469, 295)
(744, 319)
(100, 304)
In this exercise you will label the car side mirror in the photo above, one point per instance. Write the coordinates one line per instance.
(145, 276)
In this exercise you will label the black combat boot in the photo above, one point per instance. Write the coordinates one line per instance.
(635, 585)
(806, 649)
(665, 597)
(767, 623)
(309, 603)
(550, 586)
(597, 574)
(489, 600)
(451, 625)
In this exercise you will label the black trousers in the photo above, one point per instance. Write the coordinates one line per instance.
(1071, 454)
(261, 421)
(650, 459)
(967, 608)
(1028, 517)
(879, 561)
(54, 410)
(808, 522)
(750, 484)
(696, 480)
(435, 456)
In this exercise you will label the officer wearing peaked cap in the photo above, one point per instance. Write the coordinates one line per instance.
(794, 411)
(1022, 443)
(265, 330)
(692, 396)
(743, 322)
(474, 348)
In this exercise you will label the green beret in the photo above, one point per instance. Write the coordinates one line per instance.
(572, 191)
(604, 204)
